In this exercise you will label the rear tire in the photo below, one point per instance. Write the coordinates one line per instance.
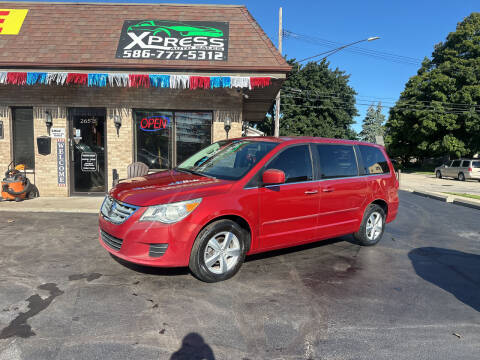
(439, 174)
(372, 226)
(461, 177)
(218, 251)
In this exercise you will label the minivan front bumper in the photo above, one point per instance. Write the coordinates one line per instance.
(147, 242)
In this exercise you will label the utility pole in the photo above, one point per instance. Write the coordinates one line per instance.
(276, 131)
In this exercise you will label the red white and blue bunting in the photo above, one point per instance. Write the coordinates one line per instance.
(132, 80)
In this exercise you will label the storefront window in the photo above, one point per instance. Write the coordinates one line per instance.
(193, 131)
(165, 138)
(154, 137)
(23, 143)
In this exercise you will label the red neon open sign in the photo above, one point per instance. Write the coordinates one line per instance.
(154, 123)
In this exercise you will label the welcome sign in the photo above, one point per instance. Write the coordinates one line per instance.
(173, 40)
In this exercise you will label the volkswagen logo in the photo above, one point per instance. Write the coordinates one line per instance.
(112, 208)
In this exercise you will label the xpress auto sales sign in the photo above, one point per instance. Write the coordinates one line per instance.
(173, 40)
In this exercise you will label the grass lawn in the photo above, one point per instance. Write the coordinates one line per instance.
(422, 172)
(419, 172)
(477, 197)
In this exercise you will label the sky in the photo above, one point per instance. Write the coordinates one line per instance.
(408, 31)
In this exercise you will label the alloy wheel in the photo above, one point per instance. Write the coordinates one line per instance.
(374, 225)
(222, 252)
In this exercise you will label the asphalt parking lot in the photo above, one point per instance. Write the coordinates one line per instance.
(416, 295)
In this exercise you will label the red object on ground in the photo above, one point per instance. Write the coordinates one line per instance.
(297, 210)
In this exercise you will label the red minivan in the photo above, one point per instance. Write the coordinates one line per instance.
(248, 195)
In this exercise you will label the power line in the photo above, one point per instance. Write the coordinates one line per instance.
(420, 106)
(344, 107)
(332, 94)
(354, 49)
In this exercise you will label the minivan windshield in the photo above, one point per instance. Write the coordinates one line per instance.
(227, 159)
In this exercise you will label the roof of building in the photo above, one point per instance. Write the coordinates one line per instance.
(86, 36)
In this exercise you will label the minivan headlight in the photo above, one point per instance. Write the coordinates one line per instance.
(170, 213)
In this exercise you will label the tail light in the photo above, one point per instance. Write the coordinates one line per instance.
(470, 169)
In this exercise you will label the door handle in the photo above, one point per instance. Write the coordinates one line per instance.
(311, 192)
(328, 189)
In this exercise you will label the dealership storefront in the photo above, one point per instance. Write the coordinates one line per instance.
(105, 90)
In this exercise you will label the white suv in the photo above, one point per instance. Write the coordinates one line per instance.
(461, 169)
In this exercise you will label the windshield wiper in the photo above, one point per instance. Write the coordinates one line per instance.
(193, 172)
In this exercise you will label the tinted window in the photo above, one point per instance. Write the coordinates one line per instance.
(337, 161)
(456, 163)
(466, 163)
(374, 160)
(23, 144)
(295, 163)
(476, 164)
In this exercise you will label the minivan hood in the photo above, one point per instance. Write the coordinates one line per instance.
(167, 187)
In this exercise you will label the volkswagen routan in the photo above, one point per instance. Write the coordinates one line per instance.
(249, 195)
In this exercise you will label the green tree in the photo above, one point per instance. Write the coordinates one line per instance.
(315, 101)
(373, 124)
(438, 113)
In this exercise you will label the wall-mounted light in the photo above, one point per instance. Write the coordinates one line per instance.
(117, 120)
(48, 121)
(227, 125)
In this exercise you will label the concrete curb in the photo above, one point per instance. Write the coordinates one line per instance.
(466, 203)
(441, 197)
(456, 200)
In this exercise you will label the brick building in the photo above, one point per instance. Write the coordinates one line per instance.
(89, 88)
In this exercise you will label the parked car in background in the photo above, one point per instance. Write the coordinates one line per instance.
(249, 195)
(461, 169)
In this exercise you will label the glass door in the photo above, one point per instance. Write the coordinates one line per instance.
(87, 150)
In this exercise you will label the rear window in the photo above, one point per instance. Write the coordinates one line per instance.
(466, 163)
(476, 164)
(373, 160)
(456, 163)
(337, 161)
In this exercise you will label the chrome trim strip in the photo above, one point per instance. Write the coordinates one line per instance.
(310, 181)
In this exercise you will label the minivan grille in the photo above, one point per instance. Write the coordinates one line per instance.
(157, 250)
(115, 211)
(111, 241)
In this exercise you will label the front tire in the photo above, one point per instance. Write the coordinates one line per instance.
(372, 226)
(461, 177)
(439, 174)
(218, 251)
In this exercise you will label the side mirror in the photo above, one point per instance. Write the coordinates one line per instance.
(273, 177)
